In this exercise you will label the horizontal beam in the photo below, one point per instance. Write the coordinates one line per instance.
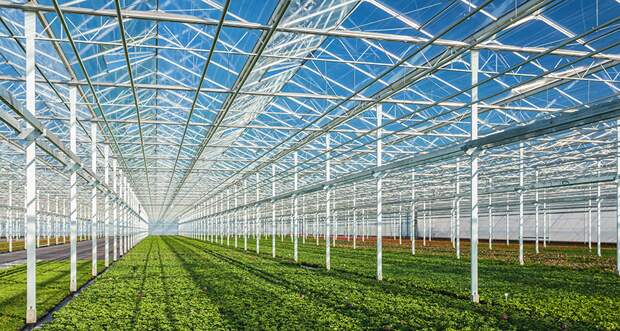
(161, 16)
(583, 116)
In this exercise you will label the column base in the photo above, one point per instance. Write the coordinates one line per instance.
(475, 298)
(31, 315)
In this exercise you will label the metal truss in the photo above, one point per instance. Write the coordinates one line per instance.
(215, 107)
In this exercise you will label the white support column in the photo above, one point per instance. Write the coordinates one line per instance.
(121, 212)
(47, 219)
(536, 206)
(589, 230)
(328, 210)
(93, 199)
(56, 223)
(379, 157)
(544, 227)
(221, 217)
(316, 219)
(273, 210)
(412, 219)
(73, 204)
(617, 197)
(9, 214)
(475, 297)
(227, 218)
(245, 216)
(126, 215)
(304, 232)
(599, 201)
(257, 222)
(31, 166)
(106, 206)
(38, 219)
(490, 214)
(521, 197)
(236, 216)
(64, 222)
(354, 216)
(114, 212)
(295, 207)
(507, 218)
(457, 209)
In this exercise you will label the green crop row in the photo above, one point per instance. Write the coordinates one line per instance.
(169, 283)
(52, 287)
(149, 289)
(566, 295)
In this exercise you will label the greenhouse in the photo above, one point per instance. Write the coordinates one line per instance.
(309, 164)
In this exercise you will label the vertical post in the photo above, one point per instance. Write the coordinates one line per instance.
(114, 213)
(38, 218)
(121, 216)
(412, 220)
(490, 214)
(328, 211)
(457, 209)
(47, 219)
(589, 230)
(599, 200)
(295, 207)
(64, 222)
(56, 227)
(303, 220)
(227, 219)
(126, 216)
(521, 196)
(544, 222)
(536, 206)
(10, 216)
(236, 215)
(73, 207)
(93, 199)
(617, 197)
(507, 219)
(354, 216)
(123, 220)
(474, 178)
(31, 166)
(256, 225)
(379, 158)
(245, 220)
(316, 219)
(273, 210)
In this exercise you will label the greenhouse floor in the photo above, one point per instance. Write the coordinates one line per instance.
(55, 252)
(52, 279)
(168, 283)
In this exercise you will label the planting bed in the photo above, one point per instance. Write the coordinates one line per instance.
(52, 287)
(170, 283)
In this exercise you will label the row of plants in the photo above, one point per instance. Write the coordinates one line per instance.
(52, 287)
(574, 255)
(562, 294)
(17, 245)
(185, 284)
(149, 289)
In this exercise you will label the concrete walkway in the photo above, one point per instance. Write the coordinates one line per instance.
(56, 252)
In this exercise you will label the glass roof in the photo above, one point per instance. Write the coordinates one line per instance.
(195, 97)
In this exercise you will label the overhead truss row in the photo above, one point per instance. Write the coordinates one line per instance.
(193, 101)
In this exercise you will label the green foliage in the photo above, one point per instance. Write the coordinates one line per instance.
(52, 287)
(148, 289)
(178, 283)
